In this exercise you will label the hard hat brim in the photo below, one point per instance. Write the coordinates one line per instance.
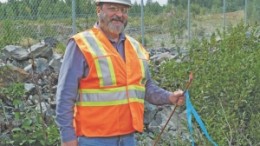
(128, 3)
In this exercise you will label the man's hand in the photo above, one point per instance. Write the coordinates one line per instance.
(70, 143)
(177, 98)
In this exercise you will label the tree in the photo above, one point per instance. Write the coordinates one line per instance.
(254, 10)
(84, 7)
(62, 9)
(68, 2)
(153, 7)
(135, 9)
(46, 9)
(14, 6)
(33, 5)
(3, 11)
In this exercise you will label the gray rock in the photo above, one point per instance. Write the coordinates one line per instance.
(16, 52)
(29, 87)
(43, 108)
(41, 65)
(55, 63)
(41, 50)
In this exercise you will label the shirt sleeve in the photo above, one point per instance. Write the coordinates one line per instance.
(72, 69)
(154, 94)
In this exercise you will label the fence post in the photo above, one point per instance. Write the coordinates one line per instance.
(189, 20)
(245, 12)
(73, 16)
(142, 21)
(224, 14)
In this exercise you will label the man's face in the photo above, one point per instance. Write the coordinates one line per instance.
(113, 17)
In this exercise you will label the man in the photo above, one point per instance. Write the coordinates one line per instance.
(103, 82)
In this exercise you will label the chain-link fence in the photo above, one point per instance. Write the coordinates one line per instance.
(27, 22)
(24, 22)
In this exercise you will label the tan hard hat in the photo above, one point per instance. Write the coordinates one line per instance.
(124, 2)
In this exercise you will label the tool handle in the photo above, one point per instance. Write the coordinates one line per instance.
(158, 137)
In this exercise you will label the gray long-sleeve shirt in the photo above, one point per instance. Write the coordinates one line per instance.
(75, 67)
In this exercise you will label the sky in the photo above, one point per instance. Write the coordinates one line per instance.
(161, 2)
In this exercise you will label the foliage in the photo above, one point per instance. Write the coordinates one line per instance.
(30, 132)
(49, 14)
(60, 48)
(226, 85)
(14, 91)
(50, 10)
(153, 7)
(29, 9)
(227, 74)
(26, 126)
(254, 10)
(177, 26)
(9, 35)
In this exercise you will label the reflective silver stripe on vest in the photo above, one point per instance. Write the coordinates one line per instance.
(137, 48)
(103, 97)
(103, 62)
(142, 57)
(146, 67)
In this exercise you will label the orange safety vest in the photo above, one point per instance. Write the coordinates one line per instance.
(111, 98)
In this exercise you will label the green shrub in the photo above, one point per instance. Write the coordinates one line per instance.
(60, 48)
(9, 33)
(14, 91)
(31, 128)
(225, 90)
